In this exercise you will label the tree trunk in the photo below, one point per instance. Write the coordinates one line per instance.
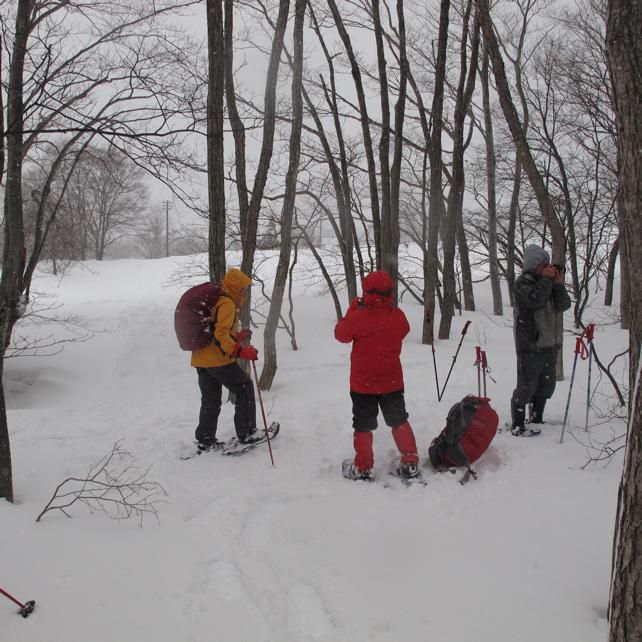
(491, 164)
(267, 145)
(429, 262)
(384, 139)
(14, 255)
(392, 251)
(215, 149)
(6, 474)
(295, 257)
(287, 215)
(456, 194)
(238, 129)
(340, 178)
(610, 272)
(625, 287)
(344, 232)
(625, 600)
(511, 235)
(365, 127)
(625, 64)
(519, 137)
(464, 264)
(435, 204)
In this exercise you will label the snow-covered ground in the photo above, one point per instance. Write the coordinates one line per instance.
(247, 552)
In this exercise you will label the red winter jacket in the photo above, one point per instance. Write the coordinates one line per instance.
(376, 328)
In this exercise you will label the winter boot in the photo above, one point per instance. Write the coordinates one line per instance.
(364, 456)
(408, 471)
(536, 410)
(518, 414)
(206, 446)
(405, 441)
(350, 471)
(521, 431)
(251, 438)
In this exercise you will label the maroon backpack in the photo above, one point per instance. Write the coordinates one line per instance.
(471, 425)
(192, 316)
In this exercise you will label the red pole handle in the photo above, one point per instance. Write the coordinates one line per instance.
(478, 354)
(483, 360)
(13, 599)
(578, 345)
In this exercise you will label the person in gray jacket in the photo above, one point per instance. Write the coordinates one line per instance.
(540, 298)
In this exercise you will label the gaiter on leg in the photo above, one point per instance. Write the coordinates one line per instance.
(364, 457)
(405, 440)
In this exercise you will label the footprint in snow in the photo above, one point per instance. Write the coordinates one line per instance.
(307, 616)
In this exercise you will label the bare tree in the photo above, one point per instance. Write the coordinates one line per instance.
(339, 173)
(491, 194)
(80, 87)
(525, 9)
(287, 215)
(465, 89)
(436, 202)
(215, 151)
(624, 27)
(364, 120)
(150, 236)
(265, 155)
(236, 122)
(544, 201)
(391, 249)
(105, 197)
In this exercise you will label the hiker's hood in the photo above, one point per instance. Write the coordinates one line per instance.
(378, 289)
(235, 282)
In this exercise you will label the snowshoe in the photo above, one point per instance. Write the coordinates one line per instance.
(234, 446)
(205, 447)
(239, 447)
(350, 471)
(408, 471)
(523, 431)
(409, 474)
(201, 448)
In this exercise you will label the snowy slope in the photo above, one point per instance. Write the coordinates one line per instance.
(293, 553)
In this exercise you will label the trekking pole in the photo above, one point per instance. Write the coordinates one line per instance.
(578, 348)
(267, 432)
(434, 355)
(434, 365)
(25, 609)
(588, 331)
(463, 334)
(484, 365)
(477, 364)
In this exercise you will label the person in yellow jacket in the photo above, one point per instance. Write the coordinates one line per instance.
(217, 367)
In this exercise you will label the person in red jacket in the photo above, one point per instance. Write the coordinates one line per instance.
(376, 328)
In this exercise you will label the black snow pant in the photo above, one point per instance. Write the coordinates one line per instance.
(211, 382)
(365, 409)
(535, 383)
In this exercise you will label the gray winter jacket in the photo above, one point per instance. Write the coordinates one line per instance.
(539, 305)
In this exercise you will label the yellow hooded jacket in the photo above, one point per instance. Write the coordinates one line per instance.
(221, 351)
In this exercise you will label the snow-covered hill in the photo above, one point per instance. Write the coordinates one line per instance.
(247, 552)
